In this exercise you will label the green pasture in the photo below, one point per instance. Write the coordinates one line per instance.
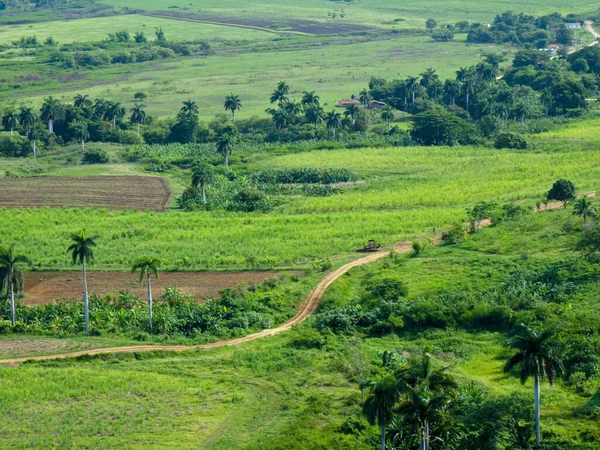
(97, 29)
(366, 12)
(333, 71)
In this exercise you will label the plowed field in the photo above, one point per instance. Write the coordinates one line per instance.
(110, 192)
(45, 287)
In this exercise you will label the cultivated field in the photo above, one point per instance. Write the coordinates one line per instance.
(45, 287)
(114, 193)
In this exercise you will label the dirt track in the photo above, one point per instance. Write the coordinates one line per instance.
(308, 307)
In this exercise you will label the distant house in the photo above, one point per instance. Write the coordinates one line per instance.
(377, 105)
(573, 26)
(554, 47)
(348, 101)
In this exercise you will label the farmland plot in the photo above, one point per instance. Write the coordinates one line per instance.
(110, 192)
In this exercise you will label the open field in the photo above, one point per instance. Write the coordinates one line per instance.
(142, 193)
(46, 287)
(97, 29)
(333, 71)
(368, 12)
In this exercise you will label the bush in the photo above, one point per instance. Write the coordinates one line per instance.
(510, 140)
(191, 199)
(250, 199)
(387, 287)
(95, 156)
(15, 146)
(454, 235)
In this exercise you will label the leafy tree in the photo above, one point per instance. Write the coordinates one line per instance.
(52, 110)
(160, 35)
(333, 121)
(379, 405)
(185, 129)
(584, 208)
(80, 130)
(190, 107)
(140, 96)
(82, 252)
(481, 211)
(11, 275)
(352, 111)
(564, 36)
(10, 120)
(426, 394)
(147, 266)
(202, 174)
(388, 116)
(538, 358)
(562, 191)
(510, 140)
(140, 37)
(443, 35)
(387, 287)
(430, 24)
(309, 98)
(233, 104)
(138, 115)
(440, 127)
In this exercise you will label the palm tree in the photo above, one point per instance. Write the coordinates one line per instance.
(34, 131)
(11, 275)
(537, 356)
(280, 94)
(160, 35)
(280, 117)
(584, 208)
(225, 147)
(233, 104)
(546, 99)
(147, 266)
(427, 392)
(428, 77)
(10, 120)
(314, 114)
(202, 174)
(333, 121)
(27, 117)
(52, 111)
(100, 108)
(467, 82)
(365, 98)
(352, 111)
(138, 115)
(114, 111)
(190, 107)
(82, 253)
(80, 129)
(379, 405)
(412, 83)
(81, 101)
(388, 116)
(309, 99)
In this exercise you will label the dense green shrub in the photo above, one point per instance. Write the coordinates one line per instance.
(305, 176)
(95, 156)
(510, 140)
(250, 199)
(15, 146)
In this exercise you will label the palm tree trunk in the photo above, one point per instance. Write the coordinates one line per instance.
(233, 115)
(12, 129)
(82, 145)
(467, 101)
(389, 126)
(138, 128)
(34, 151)
(203, 193)
(226, 161)
(50, 126)
(149, 304)
(536, 390)
(12, 304)
(427, 435)
(86, 309)
(383, 436)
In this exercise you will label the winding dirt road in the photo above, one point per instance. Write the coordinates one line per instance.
(307, 308)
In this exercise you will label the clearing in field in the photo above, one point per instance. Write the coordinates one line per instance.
(115, 193)
(45, 287)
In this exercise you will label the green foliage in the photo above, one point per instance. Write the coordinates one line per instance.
(454, 235)
(386, 286)
(15, 146)
(563, 191)
(440, 127)
(510, 140)
(305, 175)
(95, 156)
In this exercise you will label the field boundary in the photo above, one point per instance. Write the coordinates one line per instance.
(307, 308)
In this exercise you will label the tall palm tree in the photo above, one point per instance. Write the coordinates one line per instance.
(35, 131)
(584, 208)
(379, 405)
(190, 107)
(114, 112)
(467, 82)
(546, 99)
(11, 275)
(202, 174)
(147, 267)
(26, 117)
(333, 121)
(280, 117)
(82, 252)
(412, 83)
(52, 110)
(365, 98)
(280, 94)
(81, 101)
(80, 129)
(10, 120)
(427, 392)
(138, 115)
(352, 111)
(314, 115)
(309, 99)
(100, 107)
(233, 104)
(225, 147)
(538, 358)
(388, 116)
(428, 77)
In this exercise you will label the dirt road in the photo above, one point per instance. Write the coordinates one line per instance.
(307, 308)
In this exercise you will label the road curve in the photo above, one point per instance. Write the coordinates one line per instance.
(307, 308)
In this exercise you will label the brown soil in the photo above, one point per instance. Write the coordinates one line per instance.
(46, 287)
(110, 192)
(306, 309)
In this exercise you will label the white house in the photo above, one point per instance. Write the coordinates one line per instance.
(573, 26)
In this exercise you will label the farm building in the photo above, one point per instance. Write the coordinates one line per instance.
(348, 101)
(377, 105)
(573, 26)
